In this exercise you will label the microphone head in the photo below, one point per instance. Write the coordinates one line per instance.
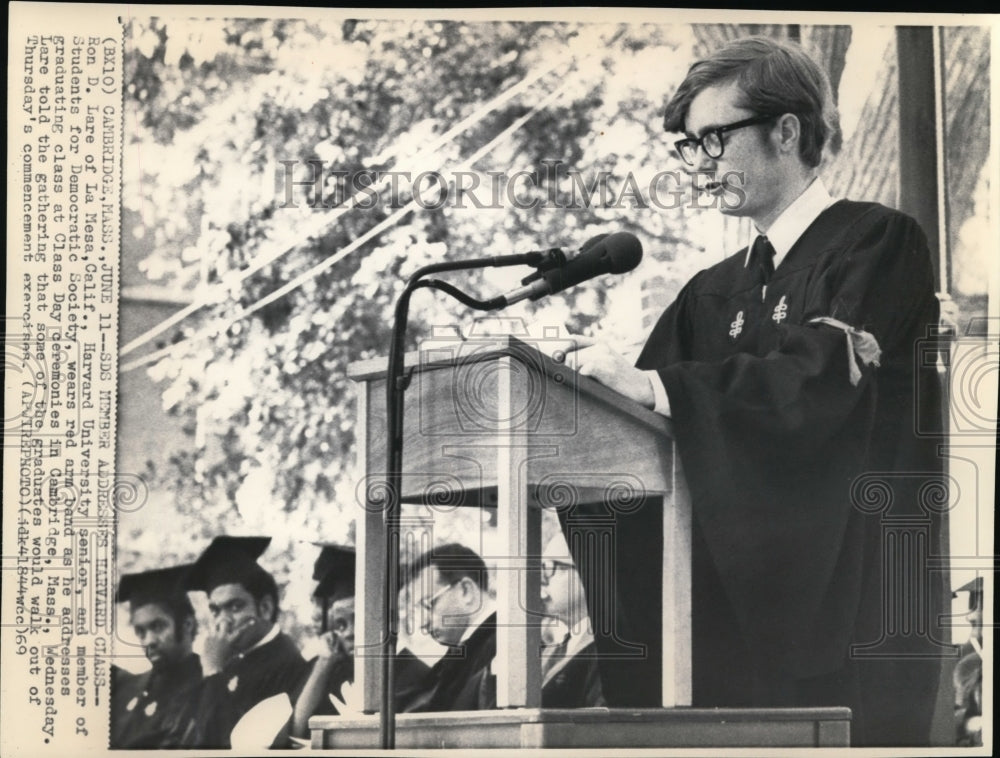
(622, 252)
(606, 254)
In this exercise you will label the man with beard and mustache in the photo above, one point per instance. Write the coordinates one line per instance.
(247, 658)
(154, 709)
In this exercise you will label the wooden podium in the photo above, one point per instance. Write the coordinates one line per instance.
(494, 422)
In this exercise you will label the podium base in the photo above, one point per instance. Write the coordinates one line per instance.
(595, 728)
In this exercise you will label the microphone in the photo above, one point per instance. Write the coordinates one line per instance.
(615, 253)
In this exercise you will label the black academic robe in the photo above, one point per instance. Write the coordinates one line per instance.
(804, 479)
(410, 674)
(967, 679)
(412, 677)
(227, 695)
(577, 683)
(154, 709)
(461, 679)
(341, 673)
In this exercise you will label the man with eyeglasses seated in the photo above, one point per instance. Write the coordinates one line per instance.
(453, 586)
(570, 676)
(803, 419)
(247, 658)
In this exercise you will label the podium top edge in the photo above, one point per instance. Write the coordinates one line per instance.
(374, 368)
(507, 345)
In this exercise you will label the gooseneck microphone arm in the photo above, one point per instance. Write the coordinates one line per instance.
(396, 383)
(605, 254)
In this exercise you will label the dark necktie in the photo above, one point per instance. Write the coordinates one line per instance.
(763, 255)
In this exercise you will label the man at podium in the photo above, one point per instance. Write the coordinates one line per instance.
(789, 372)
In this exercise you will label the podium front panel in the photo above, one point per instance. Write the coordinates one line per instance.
(505, 426)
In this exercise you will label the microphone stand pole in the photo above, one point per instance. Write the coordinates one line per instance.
(396, 384)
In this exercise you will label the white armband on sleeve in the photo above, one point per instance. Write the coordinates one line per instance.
(861, 346)
(661, 403)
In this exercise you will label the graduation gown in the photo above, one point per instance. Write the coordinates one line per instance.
(341, 673)
(411, 680)
(968, 682)
(227, 695)
(461, 680)
(154, 709)
(800, 459)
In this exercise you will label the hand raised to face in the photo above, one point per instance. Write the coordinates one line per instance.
(226, 639)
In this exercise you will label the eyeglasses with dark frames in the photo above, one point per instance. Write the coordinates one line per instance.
(427, 603)
(711, 141)
(341, 625)
(549, 568)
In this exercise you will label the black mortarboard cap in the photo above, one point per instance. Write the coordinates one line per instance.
(334, 570)
(155, 586)
(228, 560)
(975, 590)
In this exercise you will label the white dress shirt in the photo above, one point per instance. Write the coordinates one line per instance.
(476, 621)
(275, 631)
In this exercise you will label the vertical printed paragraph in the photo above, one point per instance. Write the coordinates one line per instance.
(61, 364)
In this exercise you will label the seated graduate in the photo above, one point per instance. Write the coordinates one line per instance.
(154, 709)
(247, 658)
(967, 677)
(333, 668)
(570, 675)
(328, 690)
(452, 583)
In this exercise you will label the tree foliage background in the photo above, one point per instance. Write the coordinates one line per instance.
(223, 113)
(223, 118)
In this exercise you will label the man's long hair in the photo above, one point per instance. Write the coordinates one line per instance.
(176, 605)
(775, 78)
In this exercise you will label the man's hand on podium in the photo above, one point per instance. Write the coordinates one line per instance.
(601, 362)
